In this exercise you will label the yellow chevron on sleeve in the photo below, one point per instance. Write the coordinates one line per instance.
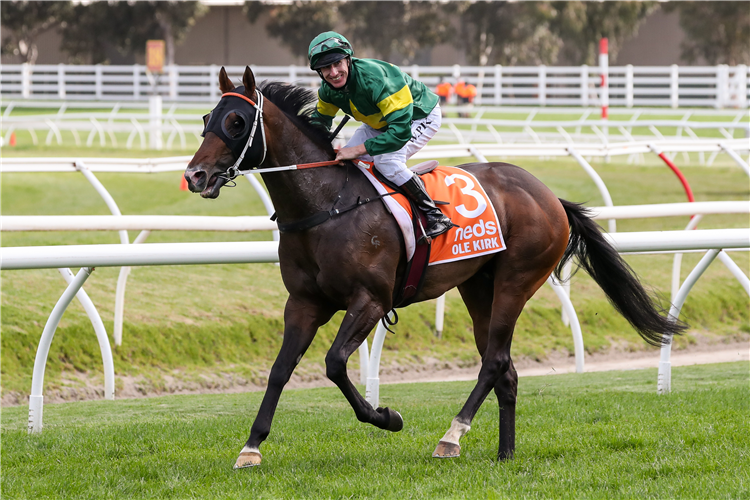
(397, 101)
(328, 109)
(375, 121)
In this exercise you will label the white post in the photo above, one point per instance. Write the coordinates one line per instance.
(629, 85)
(173, 84)
(612, 223)
(674, 87)
(498, 84)
(25, 80)
(439, 316)
(741, 77)
(575, 326)
(213, 82)
(61, 81)
(722, 85)
(567, 270)
(36, 399)
(542, 85)
(415, 71)
(604, 89)
(664, 378)
(364, 361)
(154, 111)
(585, 85)
(292, 73)
(372, 389)
(98, 81)
(136, 82)
(101, 335)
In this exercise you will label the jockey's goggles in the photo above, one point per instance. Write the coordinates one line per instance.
(324, 48)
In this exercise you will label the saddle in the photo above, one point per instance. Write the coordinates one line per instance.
(416, 267)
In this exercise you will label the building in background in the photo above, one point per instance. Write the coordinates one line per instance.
(224, 36)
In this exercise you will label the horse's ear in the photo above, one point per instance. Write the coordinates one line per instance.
(225, 84)
(248, 80)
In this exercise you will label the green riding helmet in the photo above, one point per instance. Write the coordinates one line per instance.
(328, 48)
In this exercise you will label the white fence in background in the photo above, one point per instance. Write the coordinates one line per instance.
(670, 86)
(179, 125)
(166, 254)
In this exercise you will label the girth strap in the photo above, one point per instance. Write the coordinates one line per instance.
(320, 217)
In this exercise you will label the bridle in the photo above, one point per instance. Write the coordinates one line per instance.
(234, 171)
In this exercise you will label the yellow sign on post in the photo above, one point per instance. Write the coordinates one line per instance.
(155, 56)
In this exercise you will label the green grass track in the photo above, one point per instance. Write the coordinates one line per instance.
(598, 435)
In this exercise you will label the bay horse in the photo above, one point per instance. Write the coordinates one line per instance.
(354, 260)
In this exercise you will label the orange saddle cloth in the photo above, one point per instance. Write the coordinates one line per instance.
(469, 208)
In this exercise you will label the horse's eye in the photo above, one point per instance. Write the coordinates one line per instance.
(237, 126)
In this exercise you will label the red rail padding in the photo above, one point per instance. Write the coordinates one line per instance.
(677, 172)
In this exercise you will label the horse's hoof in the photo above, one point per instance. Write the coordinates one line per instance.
(395, 422)
(247, 459)
(446, 450)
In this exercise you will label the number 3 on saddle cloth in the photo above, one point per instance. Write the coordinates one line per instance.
(469, 208)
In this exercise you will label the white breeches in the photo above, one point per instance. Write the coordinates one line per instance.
(393, 165)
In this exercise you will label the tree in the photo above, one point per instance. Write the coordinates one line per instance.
(403, 29)
(582, 24)
(295, 24)
(127, 26)
(508, 33)
(24, 22)
(717, 31)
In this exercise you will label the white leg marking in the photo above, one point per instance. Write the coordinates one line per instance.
(456, 432)
(250, 449)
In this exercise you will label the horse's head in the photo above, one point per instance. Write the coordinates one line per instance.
(228, 137)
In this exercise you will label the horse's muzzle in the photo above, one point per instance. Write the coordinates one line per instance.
(199, 181)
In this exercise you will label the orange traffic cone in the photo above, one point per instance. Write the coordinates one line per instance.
(12, 141)
(183, 184)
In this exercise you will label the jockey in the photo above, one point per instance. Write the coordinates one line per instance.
(399, 116)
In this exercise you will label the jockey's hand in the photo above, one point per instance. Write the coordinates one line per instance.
(351, 153)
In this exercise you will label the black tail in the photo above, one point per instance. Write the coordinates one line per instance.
(615, 277)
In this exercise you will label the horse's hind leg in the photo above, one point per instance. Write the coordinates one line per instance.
(494, 306)
(506, 390)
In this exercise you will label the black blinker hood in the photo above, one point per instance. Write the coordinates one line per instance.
(217, 120)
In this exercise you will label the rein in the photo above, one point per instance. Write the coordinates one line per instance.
(308, 222)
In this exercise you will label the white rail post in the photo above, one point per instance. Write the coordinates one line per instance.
(439, 316)
(61, 81)
(364, 358)
(136, 82)
(612, 223)
(213, 78)
(604, 89)
(101, 335)
(498, 84)
(584, 85)
(575, 325)
(664, 378)
(36, 399)
(542, 85)
(629, 86)
(25, 80)
(372, 388)
(674, 86)
(98, 83)
(174, 77)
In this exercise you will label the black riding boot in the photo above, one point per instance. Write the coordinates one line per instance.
(437, 223)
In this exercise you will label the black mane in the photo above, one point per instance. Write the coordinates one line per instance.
(298, 103)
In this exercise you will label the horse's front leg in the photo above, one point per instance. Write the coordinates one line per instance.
(301, 322)
(361, 317)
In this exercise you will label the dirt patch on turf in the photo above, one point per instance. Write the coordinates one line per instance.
(81, 386)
